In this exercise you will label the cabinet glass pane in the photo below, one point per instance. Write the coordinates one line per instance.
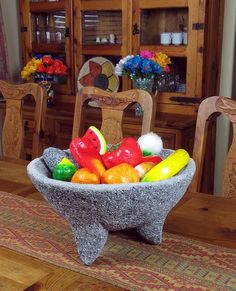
(175, 81)
(102, 27)
(156, 21)
(48, 27)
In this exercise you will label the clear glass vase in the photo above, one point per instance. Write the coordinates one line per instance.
(143, 84)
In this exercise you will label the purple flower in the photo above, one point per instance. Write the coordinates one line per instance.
(167, 69)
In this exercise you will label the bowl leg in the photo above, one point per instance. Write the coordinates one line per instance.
(152, 232)
(90, 240)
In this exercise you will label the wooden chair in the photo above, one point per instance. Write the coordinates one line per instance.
(112, 106)
(208, 109)
(13, 127)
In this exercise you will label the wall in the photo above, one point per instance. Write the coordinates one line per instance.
(11, 26)
(226, 86)
(12, 31)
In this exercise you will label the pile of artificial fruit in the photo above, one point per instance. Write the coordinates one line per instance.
(90, 162)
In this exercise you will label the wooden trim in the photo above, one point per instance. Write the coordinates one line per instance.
(47, 6)
(77, 39)
(26, 36)
(69, 49)
(48, 47)
(101, 5)
(162, 3)
(192, 50)
(136, 21)
(177, 109)
(106, 49)
(170, 50)
(211, 62)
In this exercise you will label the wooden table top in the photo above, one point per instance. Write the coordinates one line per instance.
(200, 216)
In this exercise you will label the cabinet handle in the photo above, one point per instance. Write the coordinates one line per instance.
(185, 99)
(135, 29)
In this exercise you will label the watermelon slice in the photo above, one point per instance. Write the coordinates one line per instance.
(96, 137)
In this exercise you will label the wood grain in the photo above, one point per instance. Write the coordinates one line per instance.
(112, 106)
(200, 216)
(13, 127)
(210, 108)
(204, 217)
(20, 272)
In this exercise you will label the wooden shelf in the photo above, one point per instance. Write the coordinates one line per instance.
(55, 48)
(37, 7)
(102, 49)
(100, 4)
(170, 50)
(163, 4)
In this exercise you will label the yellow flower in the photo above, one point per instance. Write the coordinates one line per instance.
(162, 59)
(32, 69)
(37, 61)
(25, 74)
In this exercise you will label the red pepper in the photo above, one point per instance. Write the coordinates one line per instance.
(152, 159)
(128, 152)
(86, 155)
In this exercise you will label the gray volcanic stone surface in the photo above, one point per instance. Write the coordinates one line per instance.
(93, 210)
(52, 156)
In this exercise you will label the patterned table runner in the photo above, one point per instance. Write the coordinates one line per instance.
(179, 263)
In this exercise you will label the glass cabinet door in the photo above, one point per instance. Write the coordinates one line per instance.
(169, 27)
(102, 30)
(47, 30)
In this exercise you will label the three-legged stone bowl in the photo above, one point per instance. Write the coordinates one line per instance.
(93, 210)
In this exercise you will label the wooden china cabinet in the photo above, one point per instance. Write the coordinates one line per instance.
(71, 29)
(47, 28)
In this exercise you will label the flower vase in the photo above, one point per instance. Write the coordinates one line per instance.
(46, 81)
(143, 84)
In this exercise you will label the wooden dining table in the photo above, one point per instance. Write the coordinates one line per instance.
(197, 215)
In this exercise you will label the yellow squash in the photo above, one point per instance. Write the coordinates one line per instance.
(168, 167)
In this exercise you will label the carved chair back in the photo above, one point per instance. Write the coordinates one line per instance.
(13, 126)
(210, 108)
(112, 106)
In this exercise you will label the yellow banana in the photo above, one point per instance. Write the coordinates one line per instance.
(168, 167)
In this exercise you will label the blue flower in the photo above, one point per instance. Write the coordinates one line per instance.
(133, 64)
(156, 68)
(38, 56)
(146, 67)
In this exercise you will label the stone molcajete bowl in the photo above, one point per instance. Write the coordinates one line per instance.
(93, 210)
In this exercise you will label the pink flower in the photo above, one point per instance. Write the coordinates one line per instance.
(167, 69)
(146, 54)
